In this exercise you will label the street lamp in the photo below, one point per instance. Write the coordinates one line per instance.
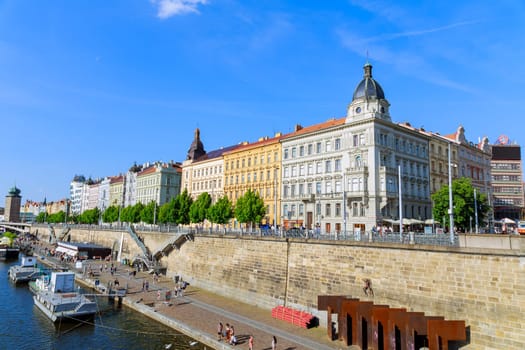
(155, 207)
(450, 204)
(400, 203)
(476, 210)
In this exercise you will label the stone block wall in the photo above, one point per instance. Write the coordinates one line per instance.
(484, 287)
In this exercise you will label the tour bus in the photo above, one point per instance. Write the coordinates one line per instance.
(521, 227)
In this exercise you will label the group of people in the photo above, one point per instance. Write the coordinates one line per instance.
(228, 334)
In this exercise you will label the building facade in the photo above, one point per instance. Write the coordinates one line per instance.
(507, 181)
(256, 166)
(159, 182)
(130, 184)
(204, 171)
(116, 190)
(76, 188)
(352, 166)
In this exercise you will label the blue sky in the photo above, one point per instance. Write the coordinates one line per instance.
(91, 86)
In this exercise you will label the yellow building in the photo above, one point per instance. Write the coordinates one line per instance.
(256, 166)
(116, 190)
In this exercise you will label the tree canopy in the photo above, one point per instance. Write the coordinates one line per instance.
(184, 203)
(250, 208)
(463, 201)
(199, 209)
(221, 212)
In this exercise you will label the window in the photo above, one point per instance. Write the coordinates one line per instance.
(338, 209)
(318, 187)
(301, 189)
(362, 139)
(338, 186)
(301, 209)
(292, 190)
(328, 146)
(309, 188)
(249, 162)
(328, 166)
(285, 191)
(294, 171)
(301, 151)
(310, 149)
(319, 167)
(301, 170)
(328, 210)
(294, 152)
(328, 187)
(285, 154)
(310, 168)
(286, 172)
(318, 147)
(338, 165)
(355, 140)
(337, 144)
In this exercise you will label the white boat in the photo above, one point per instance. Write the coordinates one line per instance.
(26, 271)
(58, 299)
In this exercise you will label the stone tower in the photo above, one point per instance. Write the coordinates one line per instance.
(12, 205)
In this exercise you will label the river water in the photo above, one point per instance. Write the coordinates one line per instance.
(24, 326)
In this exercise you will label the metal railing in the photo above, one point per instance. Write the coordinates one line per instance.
(350, 236)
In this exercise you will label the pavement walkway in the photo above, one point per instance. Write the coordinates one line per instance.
(198, 313)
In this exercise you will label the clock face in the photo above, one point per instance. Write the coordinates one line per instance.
(358, 110)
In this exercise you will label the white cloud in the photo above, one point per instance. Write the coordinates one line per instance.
(168, 8)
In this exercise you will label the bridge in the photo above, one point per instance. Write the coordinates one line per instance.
(19, 227)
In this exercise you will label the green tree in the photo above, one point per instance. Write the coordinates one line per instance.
(90, 216)
(463, 201)
(199, 208)
(184, 203)
(136, 210)
(168, 211)
(40, 218)
(56, 217)
(110, 214)
(221, 212)
(126, 214)
(250, 208)
(149, 212)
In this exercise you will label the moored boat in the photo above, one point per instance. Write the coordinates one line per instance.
(8, 252)
(57, 298)
(26, 271)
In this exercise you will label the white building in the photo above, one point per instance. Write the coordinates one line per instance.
(130, 184)
(343, 174)
(103, 194)
(76, 189)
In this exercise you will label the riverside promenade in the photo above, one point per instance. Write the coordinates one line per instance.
(198, 312)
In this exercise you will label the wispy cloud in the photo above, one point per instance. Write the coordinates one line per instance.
(407, 62)
(412, 33)
(169, 8)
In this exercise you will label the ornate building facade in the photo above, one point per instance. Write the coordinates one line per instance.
(256, 166)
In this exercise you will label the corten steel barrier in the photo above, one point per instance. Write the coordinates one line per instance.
(380, 327)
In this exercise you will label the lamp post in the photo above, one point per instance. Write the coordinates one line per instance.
(400, 203)
(476, 210)
(344, 204)
(155, 207)
(450, 202)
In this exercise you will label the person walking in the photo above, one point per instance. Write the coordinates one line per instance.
(250, 343)
(274, 342)
(219, 331)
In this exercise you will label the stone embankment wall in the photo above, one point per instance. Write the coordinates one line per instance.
(484, 287)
